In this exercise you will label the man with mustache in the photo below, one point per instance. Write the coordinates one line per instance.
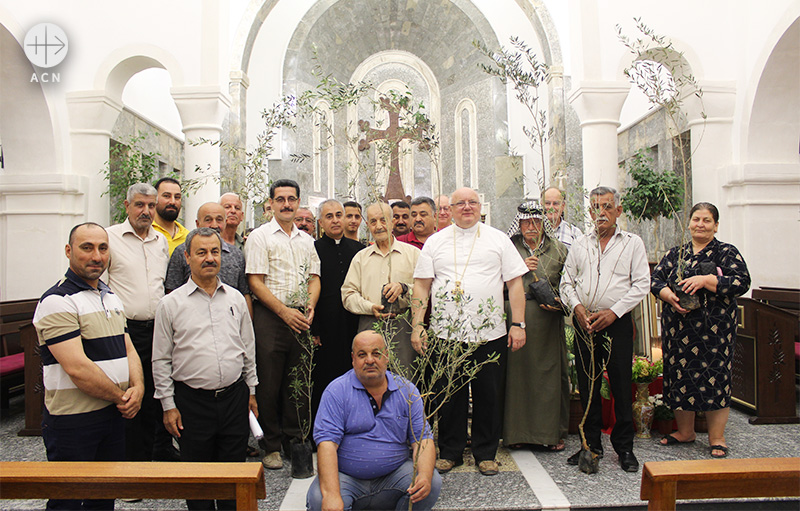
(136, 270)
(231, 270)
(605, 276)
(423, 222)
(378, 282)
(400, 218)
(234, 214)
(283, 273)
(168, 207)
(305, 221)
(91, 373)
(204, 361)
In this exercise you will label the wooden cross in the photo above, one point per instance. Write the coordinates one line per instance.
(393, 134)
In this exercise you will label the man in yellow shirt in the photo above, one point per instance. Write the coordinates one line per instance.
(168, 207)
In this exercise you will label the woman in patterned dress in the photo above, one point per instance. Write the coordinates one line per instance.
(699, 343)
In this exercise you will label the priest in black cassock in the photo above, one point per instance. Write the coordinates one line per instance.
(333, 327)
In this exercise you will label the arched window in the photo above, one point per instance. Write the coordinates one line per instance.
(323, 147)
(466, 138)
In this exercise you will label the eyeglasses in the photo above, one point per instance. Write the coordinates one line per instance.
(283, 200)
(604, 207)
(461, 204)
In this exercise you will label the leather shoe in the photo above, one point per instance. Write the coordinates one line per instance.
(573, 460)
(488, 467)
(273, 461)
(628, 462)
(444, 466)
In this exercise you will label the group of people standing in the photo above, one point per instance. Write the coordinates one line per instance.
(195, 330)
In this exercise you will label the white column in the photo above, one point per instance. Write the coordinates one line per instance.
(202, 110)
(711, 139)
(598, 105)
(92, 115)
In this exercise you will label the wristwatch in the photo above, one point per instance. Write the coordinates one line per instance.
(521, 325)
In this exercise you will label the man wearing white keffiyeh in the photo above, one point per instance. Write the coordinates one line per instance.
(537, 393)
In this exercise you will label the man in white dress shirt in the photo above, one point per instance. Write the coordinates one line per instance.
(605, 276)
(136, 271)
(204, 361)
(472, 258)
(281, 260)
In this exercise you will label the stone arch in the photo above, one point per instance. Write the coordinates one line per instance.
(424, 71)
(258, 10)
(115, 71)
(771, 121)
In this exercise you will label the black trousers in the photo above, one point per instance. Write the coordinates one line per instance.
(486, 409)
(619, 378)
(101, 441)
(215, 428)
(146, 438)
(277, 352)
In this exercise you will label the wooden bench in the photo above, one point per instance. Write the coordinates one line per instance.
(243, 482)
(13, 317)
(665, 481)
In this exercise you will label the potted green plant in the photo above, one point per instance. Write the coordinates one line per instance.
(656, 194)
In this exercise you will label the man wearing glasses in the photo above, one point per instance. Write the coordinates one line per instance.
(554, 204)
(472, 260)
(281, 259)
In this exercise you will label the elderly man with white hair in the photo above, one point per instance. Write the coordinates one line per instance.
(234, 214)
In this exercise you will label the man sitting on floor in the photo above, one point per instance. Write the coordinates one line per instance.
(362, 431)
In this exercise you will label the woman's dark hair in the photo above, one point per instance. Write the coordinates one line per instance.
(708, 207)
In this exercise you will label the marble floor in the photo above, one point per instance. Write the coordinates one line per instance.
(527, 480)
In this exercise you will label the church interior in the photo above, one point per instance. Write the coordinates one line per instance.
(193, 82)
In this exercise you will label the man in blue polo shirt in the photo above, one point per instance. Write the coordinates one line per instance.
(363, 434)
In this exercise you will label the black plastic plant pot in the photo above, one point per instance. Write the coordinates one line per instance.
(687, 301)
(302, 460)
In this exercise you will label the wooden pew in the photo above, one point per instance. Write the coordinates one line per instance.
(243, 482)
(665, 481)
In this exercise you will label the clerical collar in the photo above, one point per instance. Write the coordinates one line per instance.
(337, 241)
(468, 230)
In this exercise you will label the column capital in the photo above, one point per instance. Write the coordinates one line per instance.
(599, 102)
(716, 104)
(92, 112)
(239, 77)
(201, 107)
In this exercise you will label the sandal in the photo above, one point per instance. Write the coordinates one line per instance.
(558, 447)
(722, 448)
(671, 440)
